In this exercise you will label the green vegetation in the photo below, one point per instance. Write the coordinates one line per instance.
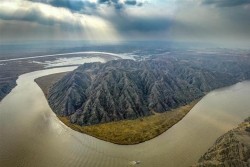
(128, 132)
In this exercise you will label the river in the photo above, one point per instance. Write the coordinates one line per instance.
(31, 134)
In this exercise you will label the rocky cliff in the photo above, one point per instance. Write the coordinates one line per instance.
(231, 149)
(126, 89)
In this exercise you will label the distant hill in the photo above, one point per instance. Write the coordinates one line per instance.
(126, 89)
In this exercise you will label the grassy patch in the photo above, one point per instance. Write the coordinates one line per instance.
(136, 131)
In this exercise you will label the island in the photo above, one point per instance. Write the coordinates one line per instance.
(126, 101)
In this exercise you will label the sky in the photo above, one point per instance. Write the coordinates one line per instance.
(213, 21)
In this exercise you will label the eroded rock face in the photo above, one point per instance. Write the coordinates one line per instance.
(125, 89)
(230, 150)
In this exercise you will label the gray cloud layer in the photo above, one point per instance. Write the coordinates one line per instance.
(128, 19)
(141, 25)
(83, 5)
(226, 3)
(76, 5)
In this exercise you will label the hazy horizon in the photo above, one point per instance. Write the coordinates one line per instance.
(222, 23)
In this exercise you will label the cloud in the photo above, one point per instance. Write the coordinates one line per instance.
(73, 5)
(83, 6)
(113, 3)
(130, 2)
(121, 4)
(59, 19)
(202, 23)
(139, 22)
(142, 25)
(41, 14)
(106, 18)
(123, 19)
(226, 3)
(133, 3)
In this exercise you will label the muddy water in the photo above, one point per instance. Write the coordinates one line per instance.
(31, 135)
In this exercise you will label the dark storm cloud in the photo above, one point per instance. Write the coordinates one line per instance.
(76, 5)
(117, 4)
(141, 25)
(130, 2)
(73, 5)
(226, 3)
(133, 3)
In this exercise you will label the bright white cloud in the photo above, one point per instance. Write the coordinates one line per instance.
(86, 26)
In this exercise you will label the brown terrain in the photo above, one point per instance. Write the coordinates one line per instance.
(9, 72)
(230, 150)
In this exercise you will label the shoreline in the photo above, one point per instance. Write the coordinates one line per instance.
(92, 130)
(230, 148)
(179, 141)
(11, 69)
(124, 132)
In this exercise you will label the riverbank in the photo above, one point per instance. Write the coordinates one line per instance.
(11, 69)
(129, 132)
(126, 132)
(231, 149)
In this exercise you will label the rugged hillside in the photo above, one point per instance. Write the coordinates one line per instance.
(5, 87)
(125, 89)
(231, 149)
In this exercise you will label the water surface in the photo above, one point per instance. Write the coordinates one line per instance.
(31, 135)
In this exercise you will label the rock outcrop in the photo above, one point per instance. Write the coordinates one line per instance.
(230, 150)
(126, 89)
